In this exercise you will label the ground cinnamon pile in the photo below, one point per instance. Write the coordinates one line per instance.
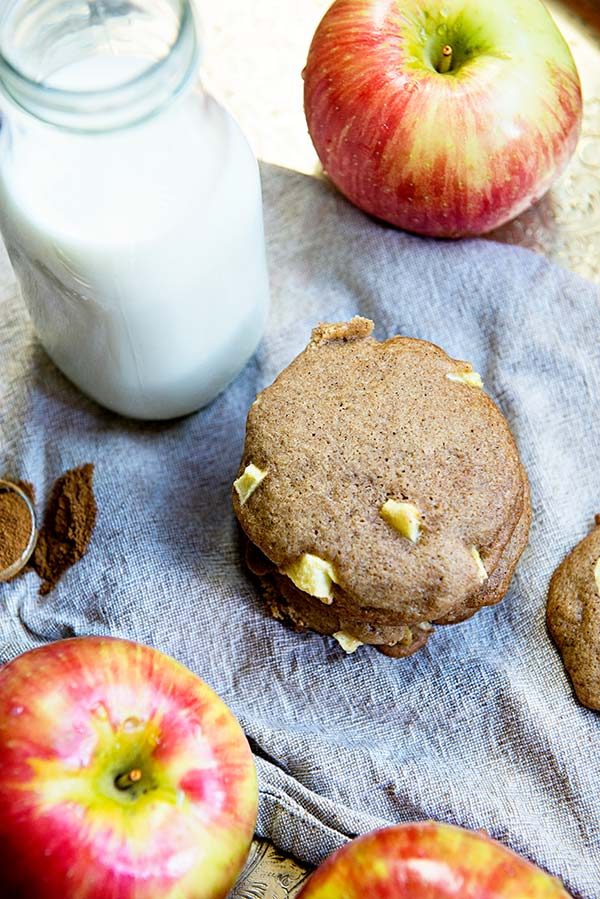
(15, 528)
(68, 526)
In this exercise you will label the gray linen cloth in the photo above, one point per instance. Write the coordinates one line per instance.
(481, 727)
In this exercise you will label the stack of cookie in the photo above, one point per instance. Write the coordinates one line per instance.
(380, 491)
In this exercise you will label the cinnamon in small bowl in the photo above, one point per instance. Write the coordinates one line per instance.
(18, 530)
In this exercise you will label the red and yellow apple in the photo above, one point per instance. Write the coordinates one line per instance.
(443, 117)
(428, 861)
(122, 776)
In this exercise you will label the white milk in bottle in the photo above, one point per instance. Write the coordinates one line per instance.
(130, 204)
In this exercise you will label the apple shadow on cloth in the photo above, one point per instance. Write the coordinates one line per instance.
(527, 230)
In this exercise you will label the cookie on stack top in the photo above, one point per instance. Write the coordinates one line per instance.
(380, 491)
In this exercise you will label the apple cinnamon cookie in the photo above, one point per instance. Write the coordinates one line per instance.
(380, 491)
(573, 616)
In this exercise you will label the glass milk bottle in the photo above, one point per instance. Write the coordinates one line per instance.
(130, 203)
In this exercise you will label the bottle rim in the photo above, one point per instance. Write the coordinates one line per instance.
(122, 104)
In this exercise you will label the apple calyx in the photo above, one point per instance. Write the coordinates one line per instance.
(125, 762)
(127, 780)
(445, 63)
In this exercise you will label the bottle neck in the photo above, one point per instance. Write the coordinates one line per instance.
(127, 63)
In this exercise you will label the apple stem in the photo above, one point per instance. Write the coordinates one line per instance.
(124, 781)
(446, 60)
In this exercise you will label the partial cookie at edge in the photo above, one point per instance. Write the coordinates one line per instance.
(573, 616)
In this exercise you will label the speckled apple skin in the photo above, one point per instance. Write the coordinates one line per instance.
(428, 860)
(443, 155)
(76, 714)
